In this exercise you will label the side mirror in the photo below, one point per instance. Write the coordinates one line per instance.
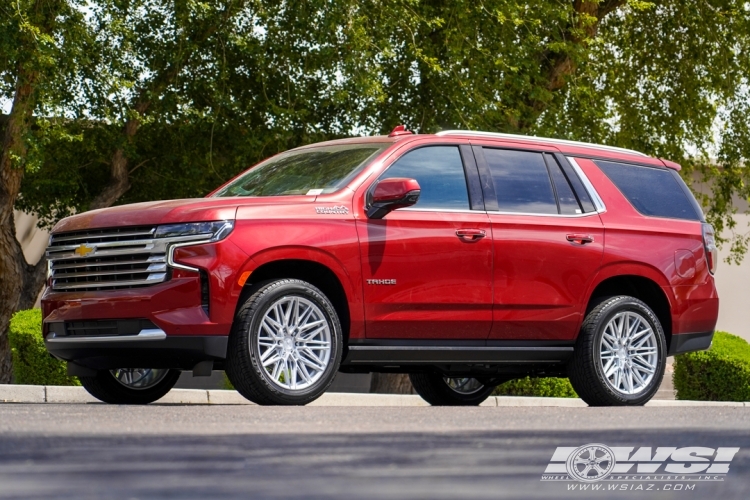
(391, 194)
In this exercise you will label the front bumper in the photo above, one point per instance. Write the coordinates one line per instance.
(175, 306)
(150, 348)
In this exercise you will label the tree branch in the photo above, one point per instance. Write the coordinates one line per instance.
(559, 66)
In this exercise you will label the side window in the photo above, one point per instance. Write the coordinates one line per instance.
(568, 201)
(652, 191)
(522, 182)
(440, 173)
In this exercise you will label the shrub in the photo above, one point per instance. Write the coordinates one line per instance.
(548, 387)
(721, 373)
(227, 384)
(32, 364)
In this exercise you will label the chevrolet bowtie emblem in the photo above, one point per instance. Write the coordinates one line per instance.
(84, 250)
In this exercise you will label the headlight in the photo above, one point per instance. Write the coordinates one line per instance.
(213, 231)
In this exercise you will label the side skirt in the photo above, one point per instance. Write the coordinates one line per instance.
(471, 356)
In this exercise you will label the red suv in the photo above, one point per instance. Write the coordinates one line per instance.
(465, 259)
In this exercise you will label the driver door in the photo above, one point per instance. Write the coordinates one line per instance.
(427, 269)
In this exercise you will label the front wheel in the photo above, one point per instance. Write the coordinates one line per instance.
(286, 344)
(439, 390)
(620, 354)
(130, 386)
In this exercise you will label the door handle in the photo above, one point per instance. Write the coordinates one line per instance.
(580, 239)
(471, 235)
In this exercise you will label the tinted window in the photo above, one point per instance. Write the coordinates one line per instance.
(652, 191)
(522, 183)
(568, 202)
(440, 174)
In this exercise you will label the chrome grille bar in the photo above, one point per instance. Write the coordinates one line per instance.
(150, 269)
(89, 237)
(101, 263)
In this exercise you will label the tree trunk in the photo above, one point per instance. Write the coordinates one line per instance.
(119, 180)
(391, 383)
(18, 280)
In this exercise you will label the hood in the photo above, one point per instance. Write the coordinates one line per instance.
(170, 211)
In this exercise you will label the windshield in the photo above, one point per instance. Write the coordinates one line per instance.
(310, 171)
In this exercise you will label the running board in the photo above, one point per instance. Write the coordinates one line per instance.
(414, 354)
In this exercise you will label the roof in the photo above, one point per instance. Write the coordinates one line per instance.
(517, 137)
(566, 147)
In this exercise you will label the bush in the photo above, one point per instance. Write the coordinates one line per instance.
(227, 384)
(548, 387)
(721, 373)
(32, 364)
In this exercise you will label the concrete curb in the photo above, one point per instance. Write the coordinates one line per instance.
(57, 394)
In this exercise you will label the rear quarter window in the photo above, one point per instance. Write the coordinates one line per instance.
(653, 191)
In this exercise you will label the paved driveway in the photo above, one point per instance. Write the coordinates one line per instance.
(98, 451)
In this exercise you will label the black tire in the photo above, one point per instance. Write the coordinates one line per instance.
(105, 387)
(243, 366)
(585, 367)
(434, 389)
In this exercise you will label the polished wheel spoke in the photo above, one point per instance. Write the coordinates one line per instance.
(464, 385)
(628, 353)
(294, 343)
(139, 378)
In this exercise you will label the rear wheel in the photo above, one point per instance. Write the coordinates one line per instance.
(439, 390)
(620, 354)
(286, 344)
(130, 386)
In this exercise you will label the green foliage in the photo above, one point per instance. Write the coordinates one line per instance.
(207, 89)
(721, 373)
(32, 364)
(227, 384)
(215, 87)
(548, 387)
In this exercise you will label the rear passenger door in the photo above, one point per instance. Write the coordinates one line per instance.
(427, 269)
(548, 243)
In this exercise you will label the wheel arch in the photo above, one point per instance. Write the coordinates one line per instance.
(319, 272)
(644, 288)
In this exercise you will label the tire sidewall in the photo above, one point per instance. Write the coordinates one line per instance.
(310, 293)
(626, 304)
(431, 386)
(106, 388)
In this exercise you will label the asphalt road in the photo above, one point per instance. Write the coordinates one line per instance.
(98, 451)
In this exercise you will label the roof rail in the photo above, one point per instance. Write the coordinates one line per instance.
(540, 139)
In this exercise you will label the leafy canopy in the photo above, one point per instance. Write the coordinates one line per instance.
(217, 86)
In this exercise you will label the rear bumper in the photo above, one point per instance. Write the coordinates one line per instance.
(150, 348)
(688, 342)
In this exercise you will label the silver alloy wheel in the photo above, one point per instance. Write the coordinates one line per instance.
(139, 378)
(465, 385)
(629, 353)
(294, 343)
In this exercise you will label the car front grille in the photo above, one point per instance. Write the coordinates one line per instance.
(107, 259)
